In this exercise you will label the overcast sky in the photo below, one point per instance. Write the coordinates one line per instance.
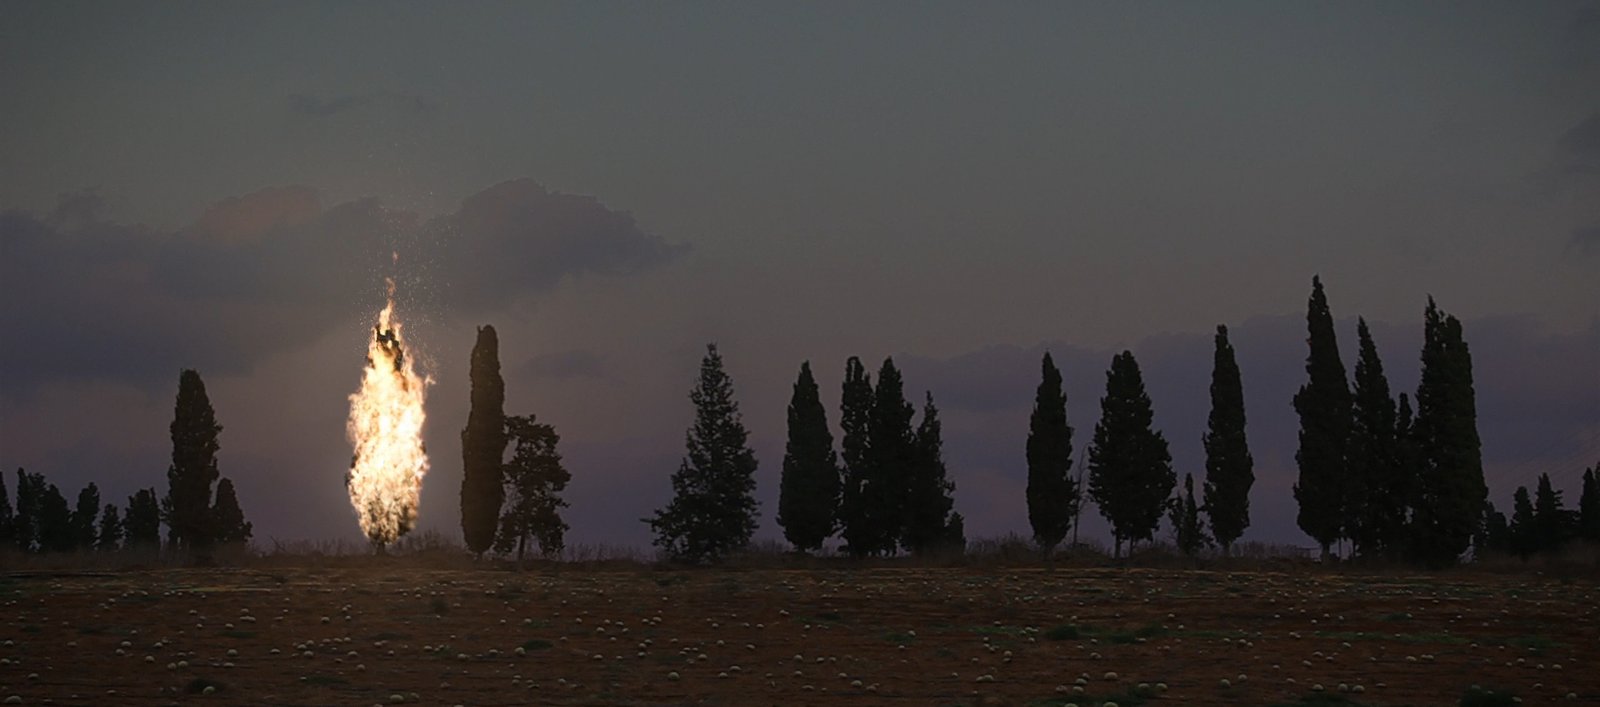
(961, 186)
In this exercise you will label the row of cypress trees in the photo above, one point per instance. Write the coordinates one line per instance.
(1541, 525)
(197, 519)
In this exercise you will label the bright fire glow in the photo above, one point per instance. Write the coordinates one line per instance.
(385, 425)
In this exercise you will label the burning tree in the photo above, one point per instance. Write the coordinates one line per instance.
(385, 426)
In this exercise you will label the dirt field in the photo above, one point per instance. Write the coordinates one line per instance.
(900, 636)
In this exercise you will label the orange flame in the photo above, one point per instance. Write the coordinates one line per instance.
(385, 425)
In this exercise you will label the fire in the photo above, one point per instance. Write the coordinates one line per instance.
(385, 425)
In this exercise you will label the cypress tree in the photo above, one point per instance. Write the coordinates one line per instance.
(1376, 502)
(1230, 470)
(1052, 493)
(713, 510)
(142, 523)
(855, 421)
(1523, 530)
(56, 533)
(8, 537)
(1495, 537)
(808, 493)
(1323, 404)
(1553, 525)
(83, 518)
(228, 517)
(1130, 468)
(1451, 459)
(483, 445)
(534, 480)
(891, 454)
(25, 524)
(109, 538)
(1589, 506)
(187, 506)
(929, 503)
(1188, 534)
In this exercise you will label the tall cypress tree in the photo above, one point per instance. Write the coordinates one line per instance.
(83, 518)
(1376, 502)
(1553, 525)
(808, 493)
(1188, 533)
(142, 523)
(1230, 470)
(109, 538)
(855, 421)
(1130, 468)
(1589, 506)
(55, 521)
(1408, 474)
(1523, 530)
(8, 528)
(25, 524)
(483, 445)
(1451, 465)
(187, 506)
(890, 457)
(713, 510)
(1323, 404)
(929, 503)
(1495, 536)
(228, 517)
(1052, 492)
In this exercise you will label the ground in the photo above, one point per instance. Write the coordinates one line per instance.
(393, 633)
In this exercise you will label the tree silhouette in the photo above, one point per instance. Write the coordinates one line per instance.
(1052, 492)
(1323, 404)
(228, 518)
(1495, 537)
(1553, 526)
(1589, 506)
(30, 498)
(534, 480)
(56, 533)
(929, 504)
(1188, 534)
(855, 421)
(712, 512)
(483, 444)
(8, 518)
(83, 518)
(1523, 530)
(1452, 486)
(1376, 511)
(142, 523)
(891, 455)
(1230, 470)
(808, 493)
(109, 538)
(187, 506)
(1130, 468)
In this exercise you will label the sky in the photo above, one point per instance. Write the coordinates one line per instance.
(961, 186)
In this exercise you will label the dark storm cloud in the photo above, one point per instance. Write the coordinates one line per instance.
(579, 363)
(318, 107)
(271, 270)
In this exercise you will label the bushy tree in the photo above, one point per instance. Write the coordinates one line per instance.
(713, 510)
(1188, 534)
(534, 480)
(109, 538)
(1052, 492)
(855, 421)
(142, 523)
(483, 446)
(187, 506)
(84, 514)
(1130, 468)
(808, 493)
(1230, 470)
(1589, 506)
(929, 502)
(1323, 404)
(1376, 502)
(227, 517)
(1451, 459)
(891, 456)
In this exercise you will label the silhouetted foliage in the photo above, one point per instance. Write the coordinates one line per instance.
(534, 480)
(84, 514)
(109, 537)
(56, 533)
(8, 517)
(483, 446)
(25, 524)
(1052, 492)
(187, 506)
(1324, 405)
(712, 512)
(808, 492)
(1407, 486)
(1495, 535)
(1230, 470)
(1553, 525)
(929, 502)
(1524, 533)
(142, 523)
(1589, 506)
(855, 421)
(1376, 511)
(1130, 468)
(1188, 534)
(891, 456)
(228, 518)
(1451, 460)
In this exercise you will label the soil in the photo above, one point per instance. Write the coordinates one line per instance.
(394, 634)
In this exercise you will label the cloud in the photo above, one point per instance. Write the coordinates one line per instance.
(317, 107)
(78, 208)
(577, 363)
(271, 270)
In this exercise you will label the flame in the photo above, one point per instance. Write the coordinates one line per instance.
(385, 425)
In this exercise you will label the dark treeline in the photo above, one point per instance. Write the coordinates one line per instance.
(198, 519)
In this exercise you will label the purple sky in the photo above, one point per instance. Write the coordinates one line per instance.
(220, 186)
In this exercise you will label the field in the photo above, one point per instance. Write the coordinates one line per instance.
(392, 634)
